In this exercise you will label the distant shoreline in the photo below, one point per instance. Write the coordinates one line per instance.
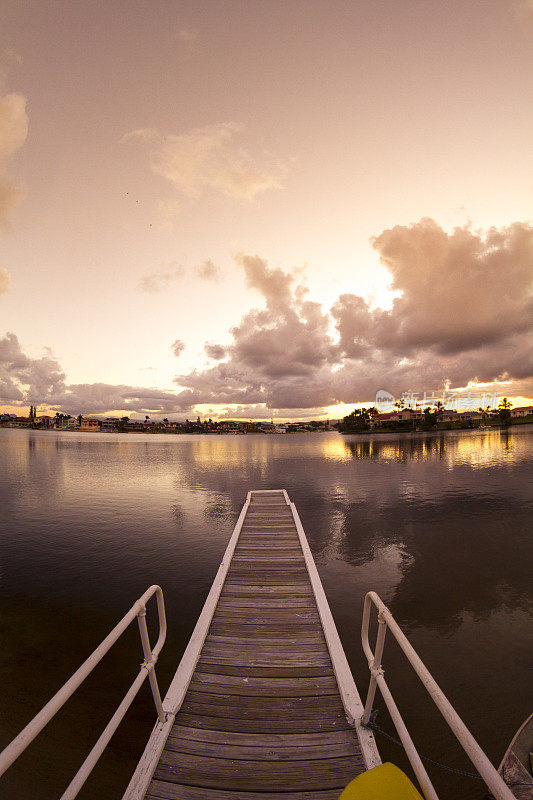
(444, 428)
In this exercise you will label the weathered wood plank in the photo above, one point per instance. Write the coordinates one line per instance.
(160, 790)
(262, 602)
(219, 773)
(269, 534)
(267, 660)
(265, 670)
(256, 589)
(288, 646)
(279, 640)
(225, 628)
(262, 716)
(270, 557)
(268, 705)
(259, 716)
(298, 752)
(261, 616)
(280, 687)
(303, 725)
(261, 570)
(262, 691)
(267, 589)
(263, 739)
(261, 548)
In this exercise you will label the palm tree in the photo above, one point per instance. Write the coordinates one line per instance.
(439, 408)
(504, 410)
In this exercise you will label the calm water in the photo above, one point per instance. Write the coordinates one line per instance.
(438, 524)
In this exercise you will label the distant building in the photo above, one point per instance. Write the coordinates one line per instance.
(523, 411)
(228, 426)
(66, 423)
(380, 419)
(266, 427)
(109, 424)
(470, 416)
(89, 424)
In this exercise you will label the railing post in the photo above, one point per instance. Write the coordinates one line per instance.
(487, 771)
(375, 668)
(149, 663)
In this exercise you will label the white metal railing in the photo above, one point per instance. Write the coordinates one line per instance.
(478, 758)
(28, 734)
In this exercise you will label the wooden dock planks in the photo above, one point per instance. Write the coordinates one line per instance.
(262, 716)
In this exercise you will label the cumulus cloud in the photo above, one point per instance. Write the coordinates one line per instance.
(177, 347)
(277, 354)
(208, 271)
(5, 279)
(41, 381)
(211, 159)
(464, 311)
(215, 351)
(13, 133)
(159, 280)
(460, 291)
(23, 378)
(99, 398)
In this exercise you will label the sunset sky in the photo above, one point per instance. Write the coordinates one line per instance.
(252, 208)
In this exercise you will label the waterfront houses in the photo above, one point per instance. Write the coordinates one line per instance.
(67, 422)
(402, 419)
(523, 411)
(89, 424)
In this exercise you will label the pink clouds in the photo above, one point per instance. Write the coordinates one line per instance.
(210, 159)
(465, 312)
(177, 347)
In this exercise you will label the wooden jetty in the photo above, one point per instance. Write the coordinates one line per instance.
(263, 704)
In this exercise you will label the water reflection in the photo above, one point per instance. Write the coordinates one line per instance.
(476, 448)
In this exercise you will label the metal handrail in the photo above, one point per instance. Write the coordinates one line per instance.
(487, 771)
(33, 728)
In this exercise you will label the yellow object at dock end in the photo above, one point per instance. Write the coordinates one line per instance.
(386, 782)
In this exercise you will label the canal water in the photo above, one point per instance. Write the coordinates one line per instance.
(438, 524)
